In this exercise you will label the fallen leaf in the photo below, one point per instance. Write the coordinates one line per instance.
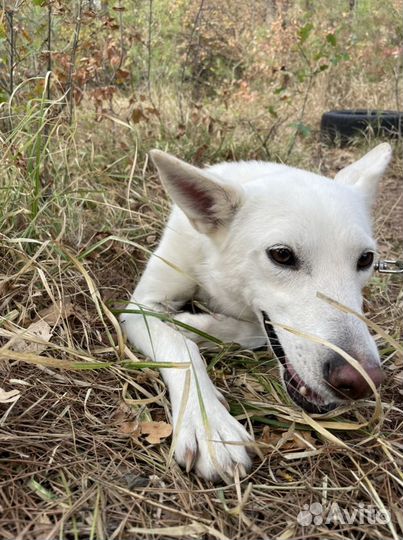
(155, 431)
(137, 115)
(398, 363)
(55, 313)
(123, 413)
(122, 74)
(5, 286)
(296, 441)
(287, 476)
(10, 396)
(131, 428)
(126, 424)
(269, 436)
(304, 439)
(38, 329)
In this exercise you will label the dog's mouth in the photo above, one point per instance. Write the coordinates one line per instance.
(304, 396)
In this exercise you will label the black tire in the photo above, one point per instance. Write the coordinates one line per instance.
(344, 125)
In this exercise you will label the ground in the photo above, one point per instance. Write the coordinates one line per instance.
(77, 461)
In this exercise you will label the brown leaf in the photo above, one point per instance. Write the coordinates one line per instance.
(398, 363)
(156, 431)
(200, 154)
(122, 414)
(131, 428)
(296, 441)
(38, 329)
(153, 110)
(137, 115)
(55, 313)
(5, 287)
(122, 75)
(115, 60)
(269, 436)
(304, 440)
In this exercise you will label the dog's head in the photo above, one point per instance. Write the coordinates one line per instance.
(282, 238)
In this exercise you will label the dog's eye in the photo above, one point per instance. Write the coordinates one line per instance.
(282, 255)
(365, 261)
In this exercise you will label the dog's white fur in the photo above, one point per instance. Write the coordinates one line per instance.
(214, 249)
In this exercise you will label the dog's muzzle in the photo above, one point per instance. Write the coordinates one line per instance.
(304, 396)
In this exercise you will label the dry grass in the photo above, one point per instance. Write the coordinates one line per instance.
(75, 461)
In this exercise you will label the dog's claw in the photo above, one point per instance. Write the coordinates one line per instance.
(224, 402)
(190, 459)
(242, 470)
(251, 451)
(203, 449)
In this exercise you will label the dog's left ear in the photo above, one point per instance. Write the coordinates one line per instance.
(366, 173)
(208, 202)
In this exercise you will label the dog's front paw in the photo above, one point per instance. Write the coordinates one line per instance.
(202, 322)
(214, 443)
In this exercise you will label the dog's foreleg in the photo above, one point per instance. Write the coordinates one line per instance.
(202, 424)
(201, 421)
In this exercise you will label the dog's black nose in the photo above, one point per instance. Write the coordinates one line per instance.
(345, 380)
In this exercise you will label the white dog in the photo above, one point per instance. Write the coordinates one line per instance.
(255, 242)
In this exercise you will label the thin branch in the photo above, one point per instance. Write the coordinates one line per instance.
(70, 81)
(304, 103)
(398, 75)
(149, 48)
(46, 127)
(182, 79)
(10, 20)
(302, 114)
(122, 47)
(48, 94)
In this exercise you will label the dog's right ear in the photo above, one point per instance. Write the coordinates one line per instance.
(208, 202)
(366, 173)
